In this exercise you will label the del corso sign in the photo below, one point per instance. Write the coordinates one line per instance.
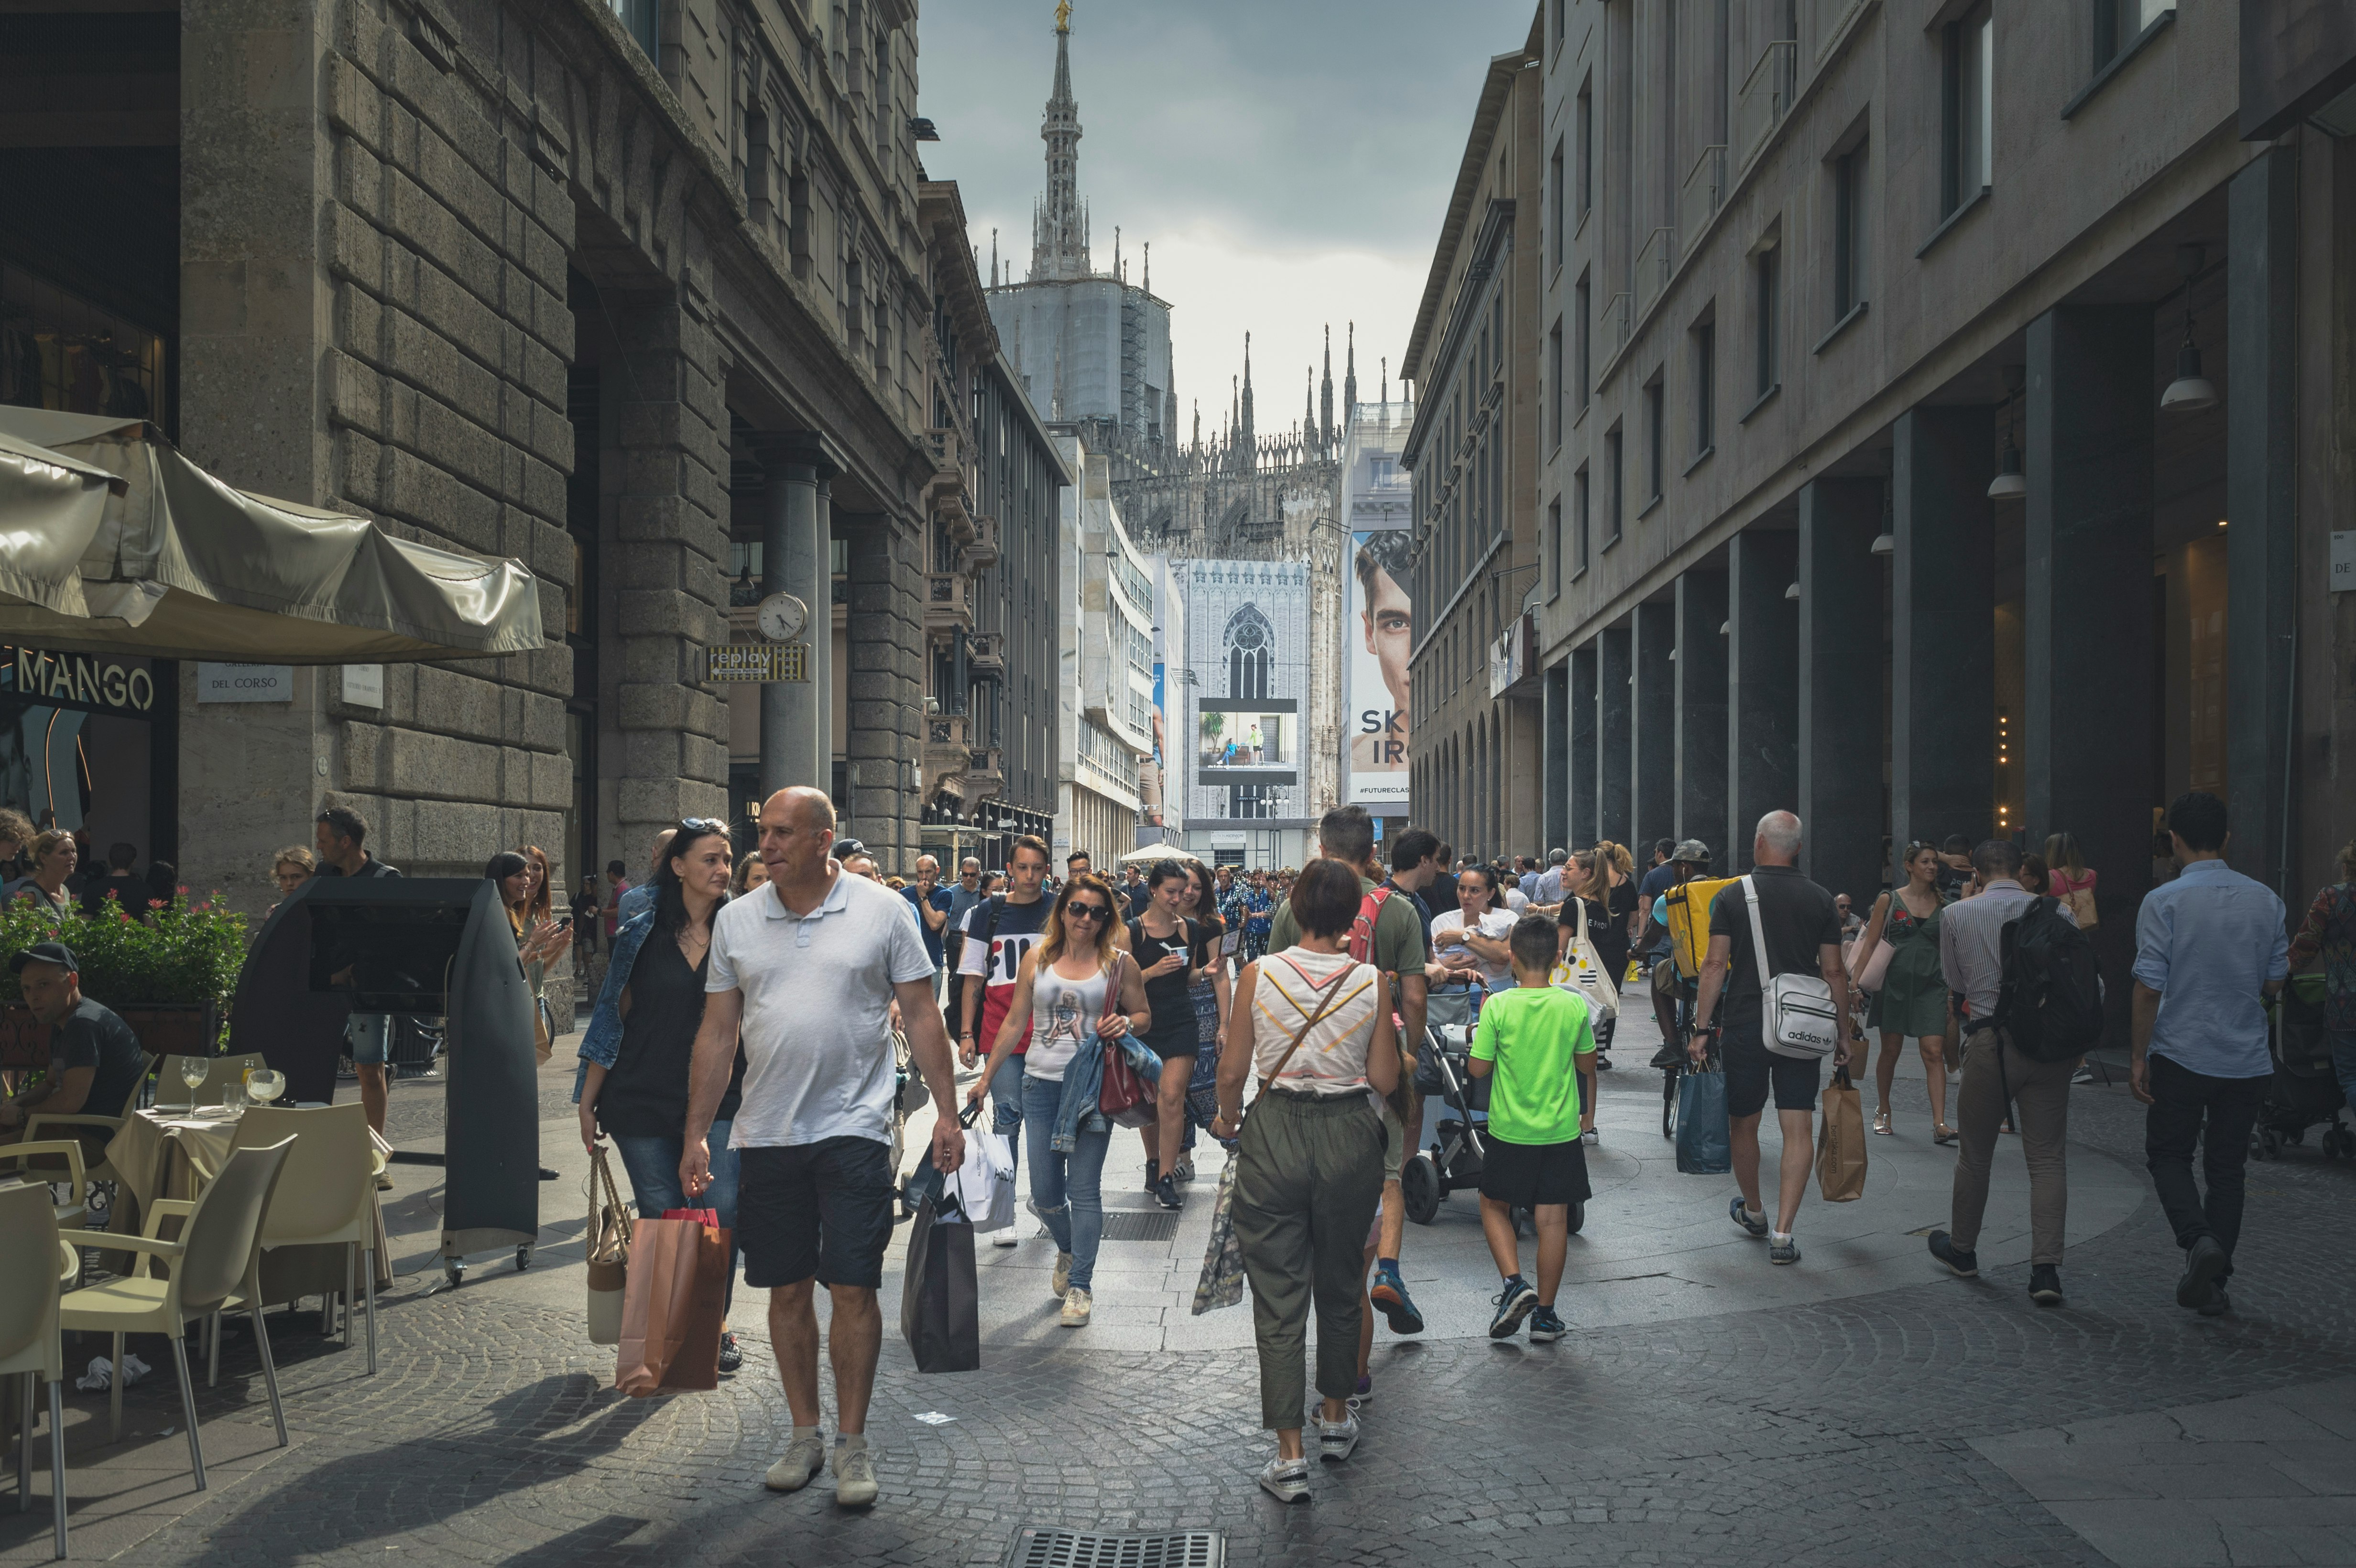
(95, 682)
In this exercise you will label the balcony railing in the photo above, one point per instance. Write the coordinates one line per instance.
(1614, 327)
(982, 548)
(946, 732)
(948, 600)
(1766, 99)
(1654, 263)
(1704, 193)
(985, 655)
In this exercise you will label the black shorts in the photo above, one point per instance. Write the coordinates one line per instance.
(1752, 1069)
(1529, 1175)
(1172, 1042)
(821, 1208)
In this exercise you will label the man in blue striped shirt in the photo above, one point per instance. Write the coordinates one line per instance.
(2210, 946)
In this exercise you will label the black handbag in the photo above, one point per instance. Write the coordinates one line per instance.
(940, 1301)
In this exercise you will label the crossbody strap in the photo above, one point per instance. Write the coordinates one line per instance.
(1758, 935)
(1329, 993)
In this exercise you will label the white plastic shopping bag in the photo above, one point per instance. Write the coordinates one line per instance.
(984, 1184)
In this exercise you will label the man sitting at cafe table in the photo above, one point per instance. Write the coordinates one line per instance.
(95, 1061)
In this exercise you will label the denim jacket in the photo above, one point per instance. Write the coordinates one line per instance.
(602, 1041)
(1077, 1110)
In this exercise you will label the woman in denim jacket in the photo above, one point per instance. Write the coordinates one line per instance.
(641, 1039)
(1060, 999)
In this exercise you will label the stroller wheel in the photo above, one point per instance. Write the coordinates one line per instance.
(1421, 1186)
(2273, 1141)
(1578, 1218)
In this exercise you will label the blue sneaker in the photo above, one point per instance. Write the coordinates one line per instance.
(1389, 1294)
(1514, 1303)
(1755, 1228)
(1546, 1327)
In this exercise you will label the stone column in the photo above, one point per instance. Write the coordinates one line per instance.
(1582, 749)
(1652, 731)
(2261, 502)
(790, 748)
(1943, 631)
(1699, 715)
(885, 621)
(1611, 748)
(1554, 811)
(2087, 733)
(1841, 658)
(1763, 695)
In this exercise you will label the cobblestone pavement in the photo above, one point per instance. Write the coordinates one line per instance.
(1898, 1425)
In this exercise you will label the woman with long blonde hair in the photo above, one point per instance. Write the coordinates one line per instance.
(1061, 1001)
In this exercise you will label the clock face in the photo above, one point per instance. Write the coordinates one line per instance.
(782, 617)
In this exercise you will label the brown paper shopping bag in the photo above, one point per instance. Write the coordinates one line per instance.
(1840, 1142)
(670, 1308)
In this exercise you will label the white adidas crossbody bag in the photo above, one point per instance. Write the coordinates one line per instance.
(1796, 1011)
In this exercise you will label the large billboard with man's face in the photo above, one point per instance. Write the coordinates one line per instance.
(1377, 622)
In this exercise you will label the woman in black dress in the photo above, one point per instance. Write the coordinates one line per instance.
(1170, 954)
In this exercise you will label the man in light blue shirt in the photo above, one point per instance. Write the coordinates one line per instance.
(2210, 946)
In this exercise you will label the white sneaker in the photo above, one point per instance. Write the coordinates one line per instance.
(1286, 1481)
(1062, 1281)
(1077, 1304)
(1335, 1439)
(1004, 1236)
(804, 1457)
(854, 1476)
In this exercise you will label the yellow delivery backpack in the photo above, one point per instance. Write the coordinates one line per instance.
(1689, 917)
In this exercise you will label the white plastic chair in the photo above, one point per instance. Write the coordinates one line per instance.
(109, 1122)
(30, 1346)
(74, 1212)
(216, 1266)
(327, 1195)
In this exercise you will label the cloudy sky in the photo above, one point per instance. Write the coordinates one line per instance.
(1290, 160)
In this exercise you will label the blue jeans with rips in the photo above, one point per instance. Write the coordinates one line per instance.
(1067, 1190)
(1006, 1104)
(652, 1165)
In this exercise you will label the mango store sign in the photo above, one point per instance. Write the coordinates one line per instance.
(245, 683)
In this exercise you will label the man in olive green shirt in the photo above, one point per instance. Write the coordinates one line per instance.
(1347, 834)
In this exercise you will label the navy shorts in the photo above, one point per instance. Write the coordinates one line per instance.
(1752, 1070)
(821, 1210)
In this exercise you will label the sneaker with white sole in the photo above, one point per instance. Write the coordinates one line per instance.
(1783, 1248)
(1060, 1280)
(1004, 1236)
(1753, 1223)
(1336, 1439)
(1077, 1305)
(1286, 1481)
(854, 1476)
(804, 1456)
(1515, 1302)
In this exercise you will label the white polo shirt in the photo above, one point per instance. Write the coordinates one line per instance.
(817, 992)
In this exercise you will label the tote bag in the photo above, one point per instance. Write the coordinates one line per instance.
(1704, 1148)
(941, 1302)
(609, 1251)
(1840, 1142)
(1580, 970)
(671, 1307)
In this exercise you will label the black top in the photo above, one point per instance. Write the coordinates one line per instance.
(130, 892)
(1170, 995)
(1799, 918)
(646, 1090)
(93, 1036)
(1606, 932)
(372, 867)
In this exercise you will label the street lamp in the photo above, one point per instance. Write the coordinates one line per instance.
(2191, 391)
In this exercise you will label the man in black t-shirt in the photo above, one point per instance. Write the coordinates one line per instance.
(1801, 929)
(95, 1062)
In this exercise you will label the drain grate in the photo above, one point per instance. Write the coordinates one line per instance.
(1036, 1548)
(1140, 1225)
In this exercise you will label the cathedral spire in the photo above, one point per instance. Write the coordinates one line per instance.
(1309, 404)
(1148, 284)
(1059, 231)
(1325, 398)
(1350, 376)
(1246, 401)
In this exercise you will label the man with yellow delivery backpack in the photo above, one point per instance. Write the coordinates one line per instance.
(1683, 909)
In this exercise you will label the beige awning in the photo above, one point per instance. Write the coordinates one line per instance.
(110, 541)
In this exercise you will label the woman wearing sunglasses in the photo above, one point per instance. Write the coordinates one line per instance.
(1061, 999)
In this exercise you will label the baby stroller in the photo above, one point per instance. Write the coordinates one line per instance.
(2304, 1090)
(1441, 1071)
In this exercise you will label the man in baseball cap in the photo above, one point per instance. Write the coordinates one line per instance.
(1689, 859)
(95, 1062)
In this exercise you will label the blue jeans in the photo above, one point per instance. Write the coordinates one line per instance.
(1067, 1190)
(652, 1165)
(1006, 1105)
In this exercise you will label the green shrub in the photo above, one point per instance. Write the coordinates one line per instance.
(178, 953)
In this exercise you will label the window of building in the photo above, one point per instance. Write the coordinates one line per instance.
(1580, 522)
(1766, 304)
(639, 19)
(1582, 301)
(1968, 90)
(1848, 232)
(1655, 402)
(1613, 487)
(1554, 543)
(1556, 226)
(1554, 391)
(1705, 386)
(2118, 23)
(1587, 144)
(1556, 10)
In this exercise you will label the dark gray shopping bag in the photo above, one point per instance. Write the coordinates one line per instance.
(1703, 1145)
(940, 1304)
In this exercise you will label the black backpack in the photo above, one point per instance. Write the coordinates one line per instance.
(2052, 996)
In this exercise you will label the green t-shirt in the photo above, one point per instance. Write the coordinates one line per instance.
(1399, 932)
(1531, 1032)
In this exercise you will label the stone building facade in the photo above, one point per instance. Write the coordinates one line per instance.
(514, 278)
(1958, 410)
(1474, 450)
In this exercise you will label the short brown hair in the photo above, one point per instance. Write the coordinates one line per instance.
(1032, 842)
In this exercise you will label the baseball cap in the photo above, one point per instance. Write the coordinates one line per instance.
(1692, 851)
(56, 953)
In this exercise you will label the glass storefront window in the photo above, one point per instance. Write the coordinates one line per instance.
(60, 351)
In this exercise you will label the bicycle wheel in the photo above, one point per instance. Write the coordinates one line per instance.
(1669, 1076)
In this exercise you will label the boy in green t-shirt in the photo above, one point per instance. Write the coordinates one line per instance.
(1530, 1043)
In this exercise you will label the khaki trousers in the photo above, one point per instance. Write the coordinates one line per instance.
(2041, 1094)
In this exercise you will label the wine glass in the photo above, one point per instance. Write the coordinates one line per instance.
(193, 1069)
(262, 1085)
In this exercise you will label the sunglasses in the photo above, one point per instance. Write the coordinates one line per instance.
(1087, 911)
